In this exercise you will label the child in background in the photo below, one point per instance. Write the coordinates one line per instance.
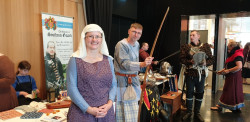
(25, 84)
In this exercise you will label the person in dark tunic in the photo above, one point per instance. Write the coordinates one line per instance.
(195, 73)
(7, 77)
(25, 84)
(232, 97)
(245, 70)
(143, 55)
(91, 81)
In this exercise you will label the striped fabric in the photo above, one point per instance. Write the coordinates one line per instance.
(127, 111)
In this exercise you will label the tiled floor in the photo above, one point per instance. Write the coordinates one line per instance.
(224, 116)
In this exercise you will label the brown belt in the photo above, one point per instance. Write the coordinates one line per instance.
(127, 75)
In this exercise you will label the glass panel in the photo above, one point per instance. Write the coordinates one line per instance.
(237, 27)
(233, 26)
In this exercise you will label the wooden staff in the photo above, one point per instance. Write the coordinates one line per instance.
(169, 56)
(146, 72)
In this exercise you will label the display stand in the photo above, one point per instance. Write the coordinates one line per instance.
(173, 99)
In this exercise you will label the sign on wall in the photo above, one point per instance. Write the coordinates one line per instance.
(58, 47)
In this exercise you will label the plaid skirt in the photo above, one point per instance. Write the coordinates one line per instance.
(127, 111)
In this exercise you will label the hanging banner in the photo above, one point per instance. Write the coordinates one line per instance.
(58, 47)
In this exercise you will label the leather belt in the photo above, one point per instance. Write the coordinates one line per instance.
(127, 75)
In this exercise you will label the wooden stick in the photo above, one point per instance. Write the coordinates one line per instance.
(146, 72)
(169, 56)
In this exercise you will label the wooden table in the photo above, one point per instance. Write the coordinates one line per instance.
(174, 100)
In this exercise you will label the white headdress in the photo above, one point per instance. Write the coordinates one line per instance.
(81, 51)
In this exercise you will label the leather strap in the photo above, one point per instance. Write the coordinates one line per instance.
(127, 75)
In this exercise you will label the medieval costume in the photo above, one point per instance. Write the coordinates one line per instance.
(7, 78)
(127, 62)
(194, 57)
(142, 56)
(232, 96)
(150, 108)
(90, 84)
(246, 67)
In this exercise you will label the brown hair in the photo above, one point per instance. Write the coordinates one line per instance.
(143, 43)
(196, 31)
(246, 49)
(234, 43)
(23, 65)
(136, 26)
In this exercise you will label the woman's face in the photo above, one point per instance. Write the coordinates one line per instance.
(93, 40)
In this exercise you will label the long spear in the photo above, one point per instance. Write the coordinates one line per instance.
(146, 72)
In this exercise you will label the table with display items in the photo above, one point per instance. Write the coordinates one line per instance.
(164, 83)
(59, 116)
(37, 112)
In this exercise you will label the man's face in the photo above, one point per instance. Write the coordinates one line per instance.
(134, 34)
(145, 47)
(51, 49)
(194, 37)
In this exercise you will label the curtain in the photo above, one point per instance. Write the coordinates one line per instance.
(100, 12)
